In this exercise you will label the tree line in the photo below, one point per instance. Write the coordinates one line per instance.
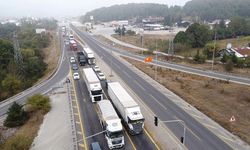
(14, 78)
(195, 10)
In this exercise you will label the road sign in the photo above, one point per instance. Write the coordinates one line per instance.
(232, 119)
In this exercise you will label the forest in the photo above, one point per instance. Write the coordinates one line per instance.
(194, 10)
(15, 77)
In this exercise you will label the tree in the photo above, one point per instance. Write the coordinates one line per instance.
(181, 37)
(198, 35)
(229, 65)
(39, 102)
(209, 49)
(11, 84)
(16, 116)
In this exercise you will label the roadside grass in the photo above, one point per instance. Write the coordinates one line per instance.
(51, 56)
(37, 106)
(25, 134)
(216, 98)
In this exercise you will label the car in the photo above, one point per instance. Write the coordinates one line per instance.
(72, 60)
(101, 76)
(96, 69)
(76, 76)
(95, 146)
(74, 66)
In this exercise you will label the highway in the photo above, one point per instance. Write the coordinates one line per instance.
(197, 136)
(46, 86)
(90, 119)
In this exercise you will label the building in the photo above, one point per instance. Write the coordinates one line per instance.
(40, 31)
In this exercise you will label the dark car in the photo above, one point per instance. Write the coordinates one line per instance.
(95, 146)
(74, 66)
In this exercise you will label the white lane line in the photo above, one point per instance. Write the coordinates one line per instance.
(139, 85)
(208, 126)
(223, 137)
(79, 132)
(126, 74)
(158, 102)
(196, 116)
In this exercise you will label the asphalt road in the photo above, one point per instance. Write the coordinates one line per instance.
(197, 136)
(44, 87)
(91, 122)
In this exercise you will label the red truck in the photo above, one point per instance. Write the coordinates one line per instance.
(73, 45)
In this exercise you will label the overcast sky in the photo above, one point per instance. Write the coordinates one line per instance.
(59, 8)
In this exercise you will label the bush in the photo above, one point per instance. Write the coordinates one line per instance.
(130, 32)
(16, 116)
(18, 142)
(199, 58)
(229, 65)
(39, 102)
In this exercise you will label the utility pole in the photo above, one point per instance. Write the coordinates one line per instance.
(17, 53)
(156, 60)
(214, 50)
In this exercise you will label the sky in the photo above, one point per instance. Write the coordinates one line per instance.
(64, 8)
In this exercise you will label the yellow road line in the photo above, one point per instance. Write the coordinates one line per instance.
(157, 147)
(81, 145)
(133, 145)
(80, 119)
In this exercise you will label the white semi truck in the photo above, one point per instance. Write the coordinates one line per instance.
(127, 108)
(111, 123)
(93, 84)
(89, 55)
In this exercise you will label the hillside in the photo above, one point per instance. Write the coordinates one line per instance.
(201, 9)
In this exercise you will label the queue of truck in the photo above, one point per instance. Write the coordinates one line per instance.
(111, 113)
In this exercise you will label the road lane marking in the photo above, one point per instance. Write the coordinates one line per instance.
(207, 125)
(196, 116)
(79, 132)
(77, 122)
(139, 85)
(152, 140)
(80, 119)
(158, 102)
(76, 114)
(81, 145)
(126, 74)
(130, 140)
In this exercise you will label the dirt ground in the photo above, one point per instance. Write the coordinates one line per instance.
(217, 99)
(149, 41)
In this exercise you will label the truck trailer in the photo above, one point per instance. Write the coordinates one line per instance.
(110, 123)
(93, 84)
(89, 55)
(127, 108)
(73, 45)
(81, 58)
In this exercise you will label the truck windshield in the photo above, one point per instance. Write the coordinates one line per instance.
(96, 92)
(135, 121)
(115, 134)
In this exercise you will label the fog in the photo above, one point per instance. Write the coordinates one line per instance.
(64, 8)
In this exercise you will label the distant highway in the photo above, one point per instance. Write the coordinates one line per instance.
(61, 73)
(198, 137)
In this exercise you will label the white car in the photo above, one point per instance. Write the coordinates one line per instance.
(96, 69)
(76, 76)
(72, 60)
(101, 76)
